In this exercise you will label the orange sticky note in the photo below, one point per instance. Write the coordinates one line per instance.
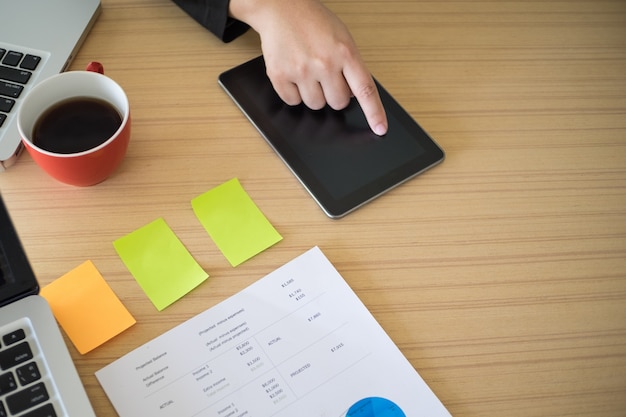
(86, 307)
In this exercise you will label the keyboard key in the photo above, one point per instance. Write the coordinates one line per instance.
(7, 383)
(15, 355)
(14, 337)
(45, 411)
(3, 411)
(12, 58)
(27, 398)
(3, 117)
(14, 74)
(2, 52)
(10, 90)
(30, 62)
(28, 373)
(6, 104)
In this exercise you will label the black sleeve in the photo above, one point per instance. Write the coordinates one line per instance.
(213, 15)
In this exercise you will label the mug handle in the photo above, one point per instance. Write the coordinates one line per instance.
(95, 66)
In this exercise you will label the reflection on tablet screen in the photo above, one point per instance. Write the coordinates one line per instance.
(340, 149)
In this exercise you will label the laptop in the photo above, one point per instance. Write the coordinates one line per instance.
(37, 375)
(38, 38)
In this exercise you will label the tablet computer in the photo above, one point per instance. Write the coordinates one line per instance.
(334, 154)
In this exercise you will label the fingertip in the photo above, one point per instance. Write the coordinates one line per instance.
(372, 106)
(376, 117)
(380, 129)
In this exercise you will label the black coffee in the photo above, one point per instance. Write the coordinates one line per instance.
(76, 125)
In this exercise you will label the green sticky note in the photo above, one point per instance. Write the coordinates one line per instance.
(160, 263)
(234, 222)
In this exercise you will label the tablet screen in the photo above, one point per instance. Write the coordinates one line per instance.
(335, 155)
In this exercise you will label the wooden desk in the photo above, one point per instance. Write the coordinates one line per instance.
(501, 274)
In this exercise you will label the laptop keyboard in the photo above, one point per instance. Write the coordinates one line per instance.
(25, 387)
(16, 70)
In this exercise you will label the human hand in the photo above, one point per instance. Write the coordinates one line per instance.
(311, 57)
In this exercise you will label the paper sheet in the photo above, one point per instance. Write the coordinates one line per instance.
(234, 222)
(160, 263)
(86, 307)
(298, 342)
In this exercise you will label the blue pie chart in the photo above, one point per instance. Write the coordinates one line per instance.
(375, 407)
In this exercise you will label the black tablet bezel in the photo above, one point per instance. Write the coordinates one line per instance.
(230, 81)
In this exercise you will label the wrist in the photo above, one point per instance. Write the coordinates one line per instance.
(248, 11)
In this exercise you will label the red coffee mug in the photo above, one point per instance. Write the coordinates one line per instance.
(88, 167)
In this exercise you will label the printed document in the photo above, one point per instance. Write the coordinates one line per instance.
(298, 342)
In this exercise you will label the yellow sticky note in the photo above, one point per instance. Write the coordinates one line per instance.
(234, 222)
(86, 307)
(160, 263)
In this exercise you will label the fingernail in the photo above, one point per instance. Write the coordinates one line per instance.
(380, 129)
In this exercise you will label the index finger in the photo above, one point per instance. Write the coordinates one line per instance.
(364, 90)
